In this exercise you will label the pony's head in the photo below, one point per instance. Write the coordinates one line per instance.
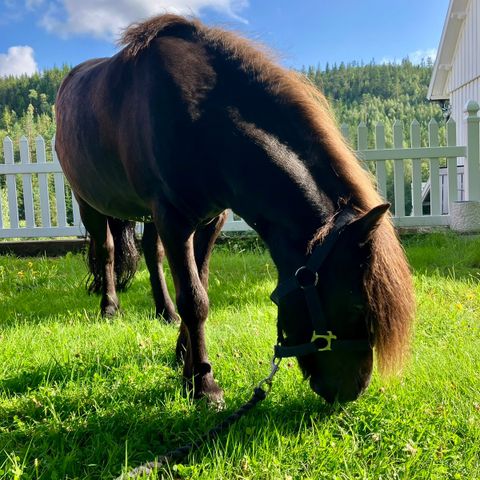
(357, 299)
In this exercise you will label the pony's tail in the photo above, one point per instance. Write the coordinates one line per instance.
(126, 257)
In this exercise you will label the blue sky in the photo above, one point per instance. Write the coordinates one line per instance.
(38, 34)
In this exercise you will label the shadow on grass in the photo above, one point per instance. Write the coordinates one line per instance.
(92, 445)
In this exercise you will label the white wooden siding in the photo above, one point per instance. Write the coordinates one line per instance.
(458, 100)
(466, 59)
(463, 81)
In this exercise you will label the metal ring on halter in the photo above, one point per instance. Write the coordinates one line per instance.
(306, 277)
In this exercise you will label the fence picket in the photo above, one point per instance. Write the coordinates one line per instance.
(398, 171)
(1, 207)
(1, 212)
(380, 165)
(362, 136)
(362, 142)
(59, 182)
(416, 170)
(27, 184)
(452, 164)
(11, 184)
(435, 198)
(43, 183)
(345, 131)
(76, 211)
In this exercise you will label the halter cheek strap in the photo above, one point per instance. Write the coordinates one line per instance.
(305, 280)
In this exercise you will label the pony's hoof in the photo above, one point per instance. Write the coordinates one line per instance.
(167, 317)
(206, 388)
(215, 399)
(110, 311)
(212, 393)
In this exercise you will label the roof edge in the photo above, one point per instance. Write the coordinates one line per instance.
(452, 27)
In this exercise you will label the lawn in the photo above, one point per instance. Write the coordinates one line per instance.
(82, 396)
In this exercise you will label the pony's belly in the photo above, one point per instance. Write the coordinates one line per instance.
(115, 201)
(122, 209)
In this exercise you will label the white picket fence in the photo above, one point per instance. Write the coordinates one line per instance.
(38, 192)
(453, 173)
(444, 176)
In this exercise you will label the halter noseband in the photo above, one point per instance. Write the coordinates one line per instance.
(305, 279)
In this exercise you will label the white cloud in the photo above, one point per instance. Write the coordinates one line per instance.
(419, 55)
(106, 19)
(17, 61)
(415, 57)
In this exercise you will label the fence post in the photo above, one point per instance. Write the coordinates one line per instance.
(472, 170)
(436, 207)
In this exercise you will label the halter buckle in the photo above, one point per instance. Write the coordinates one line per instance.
(326, 338)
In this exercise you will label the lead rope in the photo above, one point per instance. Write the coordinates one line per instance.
(259, 394)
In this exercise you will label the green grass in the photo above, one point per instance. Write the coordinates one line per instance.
(81, 396)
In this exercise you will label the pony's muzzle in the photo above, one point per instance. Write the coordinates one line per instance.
(337, 391)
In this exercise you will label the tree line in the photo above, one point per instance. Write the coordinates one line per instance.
(358, 93)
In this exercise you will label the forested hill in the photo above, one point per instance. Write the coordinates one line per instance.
(369, 93)
(378, 93)
(26, 103)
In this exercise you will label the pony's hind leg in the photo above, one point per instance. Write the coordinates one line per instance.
(154, 254)
(126, 255)
(203, 243)
(101, 258)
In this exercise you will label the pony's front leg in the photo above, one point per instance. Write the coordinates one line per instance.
(203, 243)
(192, 305)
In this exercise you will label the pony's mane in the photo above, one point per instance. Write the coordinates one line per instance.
(387, 279)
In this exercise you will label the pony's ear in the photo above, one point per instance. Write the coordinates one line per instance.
(361, 229)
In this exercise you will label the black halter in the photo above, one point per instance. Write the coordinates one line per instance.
(305, 279)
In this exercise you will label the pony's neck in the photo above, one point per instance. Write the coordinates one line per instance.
(277, 194)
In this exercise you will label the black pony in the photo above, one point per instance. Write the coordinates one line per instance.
(187, 121)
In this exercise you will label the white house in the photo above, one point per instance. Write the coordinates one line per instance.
(456, 73)
(456, 79)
